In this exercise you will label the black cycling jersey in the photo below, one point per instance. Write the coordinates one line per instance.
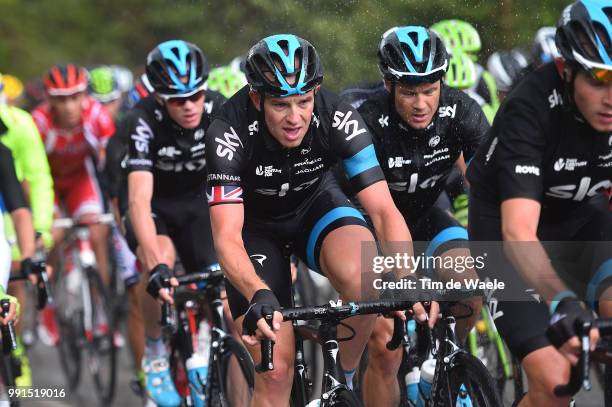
(417, 163)
(157, 144)
(246, 163)
(10, 188)
(356, 95)
(538, 149)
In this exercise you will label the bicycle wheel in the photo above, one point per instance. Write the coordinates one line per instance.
(7, 370)
(237, 373)
(469, 384)
(102, 352)
(70, 331)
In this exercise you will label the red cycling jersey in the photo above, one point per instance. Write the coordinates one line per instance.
(70, 151)
(67, 150)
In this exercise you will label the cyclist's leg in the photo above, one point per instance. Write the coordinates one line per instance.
(84, 202)
(523, 321)
(332, 244)
(448, 239)
(150, 307)
(158, 382)
(272, 266)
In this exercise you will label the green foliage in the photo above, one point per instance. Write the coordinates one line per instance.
(37, 33)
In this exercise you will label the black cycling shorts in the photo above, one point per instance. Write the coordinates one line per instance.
(271, 243)
(185, 220)
(522, 323)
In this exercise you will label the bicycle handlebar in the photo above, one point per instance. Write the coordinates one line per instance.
(45, 296)
(579, 376)
(331, 313)
(210, 277)
(9, 339)
(67, 223)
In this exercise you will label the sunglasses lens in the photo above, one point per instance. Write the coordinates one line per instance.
(179, 101)
(603, 75)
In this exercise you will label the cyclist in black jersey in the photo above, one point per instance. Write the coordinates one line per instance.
(271, 194)
(540, 176)
(166, 166)
(13, 200)
(420, 127)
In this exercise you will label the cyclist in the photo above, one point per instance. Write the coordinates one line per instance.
(461, 36)
(507, 67)
(539, 176)
(104, 88)
(75, 129)
(544, 46)
(271, 193)
(420, 127)
(11, 90)
(13, 201)
(116, 186)
(167, 212)
(226, 80)
(19, 133)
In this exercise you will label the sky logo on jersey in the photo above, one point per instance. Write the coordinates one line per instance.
(223, 194)
(583, 189)
(228, 144)
(527, 169)
(350, 127)
(141, 136)
(555, 99)
(447, 111)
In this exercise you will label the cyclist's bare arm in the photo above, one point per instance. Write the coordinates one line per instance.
(140, 192)
(520, 218)
(226, 223)
(387, 219)
(24, 229)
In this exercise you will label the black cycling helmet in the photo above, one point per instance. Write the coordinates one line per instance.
(412, 55)
(177, 68)
(273, 59)
(584, 37)
(507, 67)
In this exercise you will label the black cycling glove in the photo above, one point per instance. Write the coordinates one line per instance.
(158, 278)
(566, 320)
(263, 298)
(27, 266)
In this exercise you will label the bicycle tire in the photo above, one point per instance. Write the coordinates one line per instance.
(468, 377)
(69, 351)
(223, 393)
(8, 377)
(102, 351)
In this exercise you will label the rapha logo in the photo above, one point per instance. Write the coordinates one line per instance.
(253, 128)
(199, 134)
(259, 258)
(434, 141)
(316, 120)
(350, 127)
(158, 115)
(306, 150)
(383, 121)
(228, 144)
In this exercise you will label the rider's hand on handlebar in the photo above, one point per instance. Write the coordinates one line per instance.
(159, 279)
(420, 313)
(12, 313)
(27, 269)
(254, 326)
(562, 332)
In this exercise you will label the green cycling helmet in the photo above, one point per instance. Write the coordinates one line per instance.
(458, 35)
(226, 80)
(103, 85)
(461, 72)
